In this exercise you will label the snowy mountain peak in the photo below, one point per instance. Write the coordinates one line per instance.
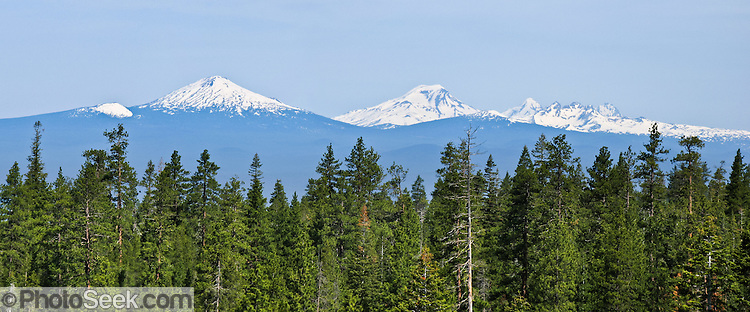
(607, 118)
(523, 113)
(111, 109)
(217, 94)
(421, 104)
(608, 110)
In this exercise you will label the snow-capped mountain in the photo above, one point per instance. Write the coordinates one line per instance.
(217, 94)
(233, 123)
(421, 104)
(110, 109)
(606, 118)
(524, 113)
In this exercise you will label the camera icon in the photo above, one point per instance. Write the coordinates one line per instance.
(8, 300)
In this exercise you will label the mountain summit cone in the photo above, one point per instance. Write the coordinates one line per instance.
(216, 94)
(421, 104)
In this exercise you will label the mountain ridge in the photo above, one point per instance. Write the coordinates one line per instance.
(290, 142)
(424, 103)
(607, 118)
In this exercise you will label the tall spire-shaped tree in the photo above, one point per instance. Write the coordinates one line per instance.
(170, 202)
(95, 236)
(37, 203)
(738, 190)
(648, 171)
(556, 258)
(14, 251)
(123, 183)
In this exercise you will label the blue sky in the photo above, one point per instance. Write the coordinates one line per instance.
(673, 61)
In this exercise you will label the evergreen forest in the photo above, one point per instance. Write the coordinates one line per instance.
(644, 229)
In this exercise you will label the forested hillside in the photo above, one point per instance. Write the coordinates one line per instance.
(645, 229)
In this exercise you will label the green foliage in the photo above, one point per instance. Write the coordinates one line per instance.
(426, 291)
(547, 237)
(648, 171)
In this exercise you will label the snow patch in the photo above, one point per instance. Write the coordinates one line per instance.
(114, 110)
(110, 109)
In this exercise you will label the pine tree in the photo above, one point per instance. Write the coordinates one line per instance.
(705, 251)
(212, 239)
(171, 189)
(234, 208)
(36, 197)
(614, 241)
(420, 204)
(255, 194)
(452, 218)
(440, 216)
(406, 247)
(659, 233)
(556, 271)
(170, 202)
(204, 193)
(123, 192)
(516, 235)
(738, 190)
(262, 259)
(157, 226)
(488, 245)
(324, 200)
(60, 231)
(648, 171)
(689, 178)
(95, 236)
(361, 228)
(362, 283)
(363, 174)
(295, 252)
